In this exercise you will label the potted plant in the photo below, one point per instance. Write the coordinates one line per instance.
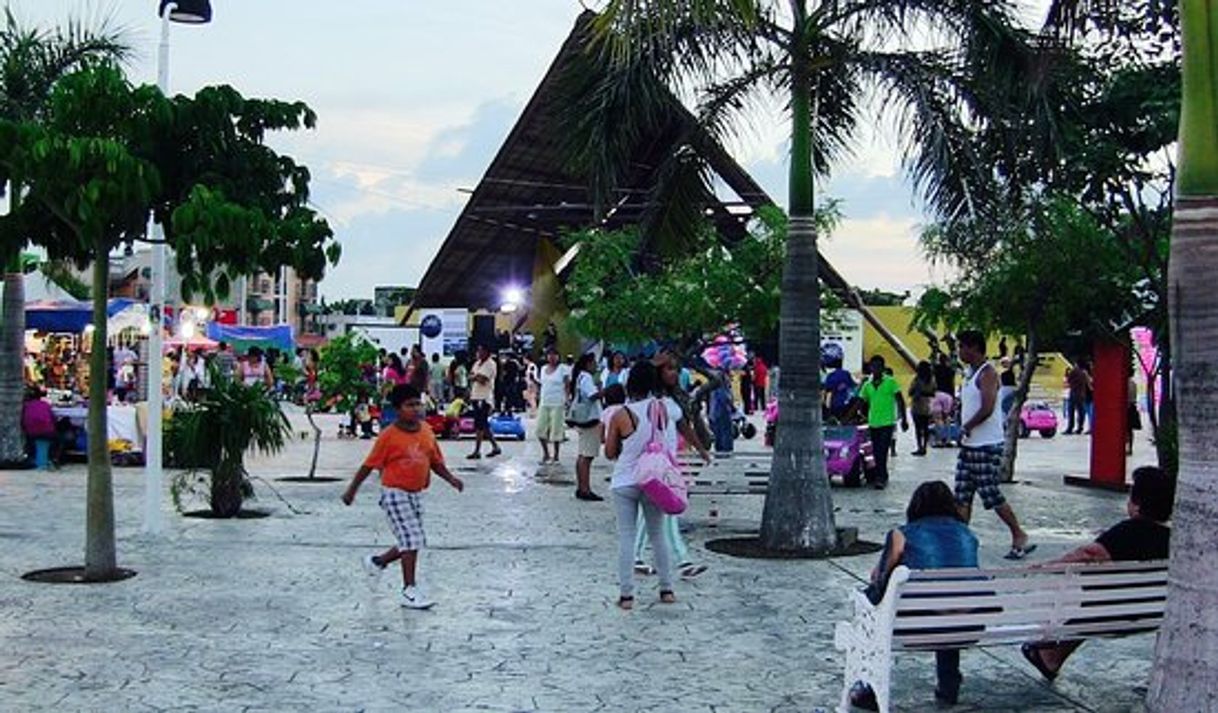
(213, 435)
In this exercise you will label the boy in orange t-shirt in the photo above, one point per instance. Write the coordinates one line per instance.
(406, 454)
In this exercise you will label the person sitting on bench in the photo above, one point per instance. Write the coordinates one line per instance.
(933, 537)
(1143, 536)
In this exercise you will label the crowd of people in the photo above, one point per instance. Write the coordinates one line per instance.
(628, 408)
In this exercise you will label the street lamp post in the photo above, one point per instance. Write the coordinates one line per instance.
(191, 12)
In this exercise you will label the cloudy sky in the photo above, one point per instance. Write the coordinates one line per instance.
(415, 96)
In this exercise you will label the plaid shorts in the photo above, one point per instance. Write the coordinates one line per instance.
(405, 512)
(977, 471)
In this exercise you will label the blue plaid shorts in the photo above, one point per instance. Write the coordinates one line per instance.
(977, 471)
(405, 512)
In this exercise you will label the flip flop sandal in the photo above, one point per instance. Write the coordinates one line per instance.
(667, 597)
(692, 571)
(643, 568)
(474, 456)
(625, 603)
(1018, 553)
(1032, 654)
(494, 453)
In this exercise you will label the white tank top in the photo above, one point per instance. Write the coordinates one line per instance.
(634, 444)
(989, 431)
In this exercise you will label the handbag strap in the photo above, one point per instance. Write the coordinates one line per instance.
(658, 415)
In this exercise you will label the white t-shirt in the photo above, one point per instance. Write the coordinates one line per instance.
(484, 391)
(553, 385)
(586, 385)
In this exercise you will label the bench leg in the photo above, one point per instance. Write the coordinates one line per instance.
(868, 661)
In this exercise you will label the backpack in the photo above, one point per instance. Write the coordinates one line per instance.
(656, 472)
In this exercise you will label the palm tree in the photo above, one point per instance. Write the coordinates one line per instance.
(1185, 674)
(228, 420)
(32, 60)
(821, 57)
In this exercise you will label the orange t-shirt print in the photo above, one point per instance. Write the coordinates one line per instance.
(404, 458)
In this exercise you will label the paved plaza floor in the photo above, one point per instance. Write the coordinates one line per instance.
(276, 614)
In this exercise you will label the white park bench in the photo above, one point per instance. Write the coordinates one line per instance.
(924, 610)
(741, 473)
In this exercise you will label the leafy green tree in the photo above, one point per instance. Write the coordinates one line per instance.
(340, 374)
(1092, 116)
(105, 158)
(686, 298)
(819, 58)
(1028, 284)
(32, 60)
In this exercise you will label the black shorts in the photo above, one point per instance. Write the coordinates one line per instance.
(482, 414)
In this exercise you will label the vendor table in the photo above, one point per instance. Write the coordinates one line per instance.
(121, 421)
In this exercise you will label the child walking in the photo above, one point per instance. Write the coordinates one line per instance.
(406, 453)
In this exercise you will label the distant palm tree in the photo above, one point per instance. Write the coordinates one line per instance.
(32, 60)
(822, 57)
(1185, 673)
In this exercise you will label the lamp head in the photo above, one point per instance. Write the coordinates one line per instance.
(191, 12)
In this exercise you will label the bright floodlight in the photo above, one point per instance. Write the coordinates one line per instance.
(513, 296)
(188, 330)
(191, 12)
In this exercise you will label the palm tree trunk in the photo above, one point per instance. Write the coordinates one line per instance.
(226, 487)
(100, 557)
(12, 356)
(1010, 447)
(798, 514)
(1185, 674)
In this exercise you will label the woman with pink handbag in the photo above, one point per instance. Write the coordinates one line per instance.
(633, 432)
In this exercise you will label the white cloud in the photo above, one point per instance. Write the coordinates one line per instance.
(878, 252)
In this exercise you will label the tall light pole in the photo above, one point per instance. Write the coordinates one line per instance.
(190, 12)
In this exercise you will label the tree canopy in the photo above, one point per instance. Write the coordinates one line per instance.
(682, 298)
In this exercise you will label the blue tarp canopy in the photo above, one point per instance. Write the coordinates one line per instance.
(68, 315)
(58, 316)
(279, 336)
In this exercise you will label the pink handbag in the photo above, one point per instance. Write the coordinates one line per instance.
(656, 472)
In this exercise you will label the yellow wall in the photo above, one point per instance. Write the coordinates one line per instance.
(1046, 384)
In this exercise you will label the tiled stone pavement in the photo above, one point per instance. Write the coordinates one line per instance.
(276, 614)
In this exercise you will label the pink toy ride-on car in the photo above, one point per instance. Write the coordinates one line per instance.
(1037, 416)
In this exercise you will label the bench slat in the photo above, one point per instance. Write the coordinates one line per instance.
(1044, 615)
(1084, 568)
(1032, 583)
(1013, 634)
(1026, 600)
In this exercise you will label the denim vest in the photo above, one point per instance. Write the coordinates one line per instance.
(930, 543)
(938, 542)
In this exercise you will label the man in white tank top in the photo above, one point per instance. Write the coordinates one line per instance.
(979, 466)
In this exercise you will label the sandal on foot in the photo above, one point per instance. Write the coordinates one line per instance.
(625, 603)
(693, 570)
(1032, 653)
(643, 568)
(667, 596)
(474, 456)
(1018, 553)
(494, 453)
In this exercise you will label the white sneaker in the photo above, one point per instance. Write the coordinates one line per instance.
(371, 567)
(414, 598)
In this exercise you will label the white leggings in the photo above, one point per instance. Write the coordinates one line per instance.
(628, 501)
